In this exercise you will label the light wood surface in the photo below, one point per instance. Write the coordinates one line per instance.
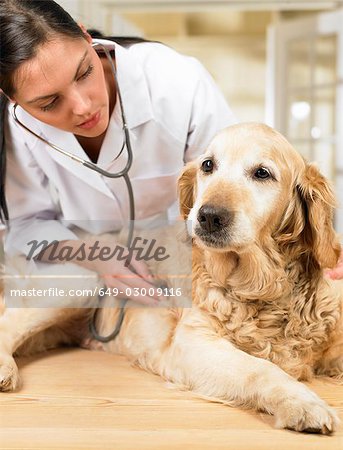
(77, 399)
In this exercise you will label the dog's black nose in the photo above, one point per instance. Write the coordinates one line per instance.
(213, 219)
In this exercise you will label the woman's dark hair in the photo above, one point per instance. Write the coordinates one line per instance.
(3, 203)
(24, 26)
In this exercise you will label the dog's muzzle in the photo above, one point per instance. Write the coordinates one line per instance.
(212, 219)
(213, 224)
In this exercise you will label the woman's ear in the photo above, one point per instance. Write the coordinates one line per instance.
(85, 32)
(307, 224)
(187, 189)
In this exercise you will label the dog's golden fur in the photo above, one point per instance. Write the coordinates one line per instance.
(263, 314)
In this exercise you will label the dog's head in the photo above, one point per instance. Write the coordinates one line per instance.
(251, 187)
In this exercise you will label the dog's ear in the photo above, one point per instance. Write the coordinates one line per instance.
(307, 223)
(187, 189)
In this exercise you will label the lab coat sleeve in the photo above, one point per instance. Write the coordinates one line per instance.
(32, 212)
(210, 114)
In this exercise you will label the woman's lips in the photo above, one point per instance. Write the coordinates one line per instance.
(92, 122)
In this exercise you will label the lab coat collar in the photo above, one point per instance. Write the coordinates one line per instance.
(66, 141)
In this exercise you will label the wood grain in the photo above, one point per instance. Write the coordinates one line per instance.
(77, 399)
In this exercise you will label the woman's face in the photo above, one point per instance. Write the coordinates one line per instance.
(64, 86)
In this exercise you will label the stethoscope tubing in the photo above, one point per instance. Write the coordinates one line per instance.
(123, 173)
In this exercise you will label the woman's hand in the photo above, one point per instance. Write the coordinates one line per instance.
(337, 272)
(121, 271)
(131, 281)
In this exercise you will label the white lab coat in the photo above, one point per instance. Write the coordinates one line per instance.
(173, 109)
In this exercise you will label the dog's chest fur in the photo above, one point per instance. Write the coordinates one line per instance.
(292, 331)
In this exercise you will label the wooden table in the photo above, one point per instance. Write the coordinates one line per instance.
(77, 399)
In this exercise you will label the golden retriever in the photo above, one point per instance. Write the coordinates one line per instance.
(263, 315)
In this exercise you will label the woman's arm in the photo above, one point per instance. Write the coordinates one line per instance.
(337, 272)
(115, 272)
(33, 215)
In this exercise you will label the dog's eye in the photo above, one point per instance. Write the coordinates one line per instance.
(207, 166)
(262, 174)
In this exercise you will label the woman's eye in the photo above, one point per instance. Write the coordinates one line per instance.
(207, 166)
(50, 105)
(87, 73)
(262, 174)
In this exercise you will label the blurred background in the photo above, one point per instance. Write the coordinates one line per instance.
(279, 62)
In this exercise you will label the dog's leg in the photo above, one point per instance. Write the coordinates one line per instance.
(211, 366)
(17, 325)
(25, 325)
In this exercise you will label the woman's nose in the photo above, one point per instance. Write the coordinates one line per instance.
(80, 103)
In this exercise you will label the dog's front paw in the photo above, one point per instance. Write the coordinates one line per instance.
(9, 374)
(310, 414)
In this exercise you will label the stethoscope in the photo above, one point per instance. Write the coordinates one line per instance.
(123, 173)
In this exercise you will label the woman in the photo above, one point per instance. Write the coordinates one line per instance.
(66, 93)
